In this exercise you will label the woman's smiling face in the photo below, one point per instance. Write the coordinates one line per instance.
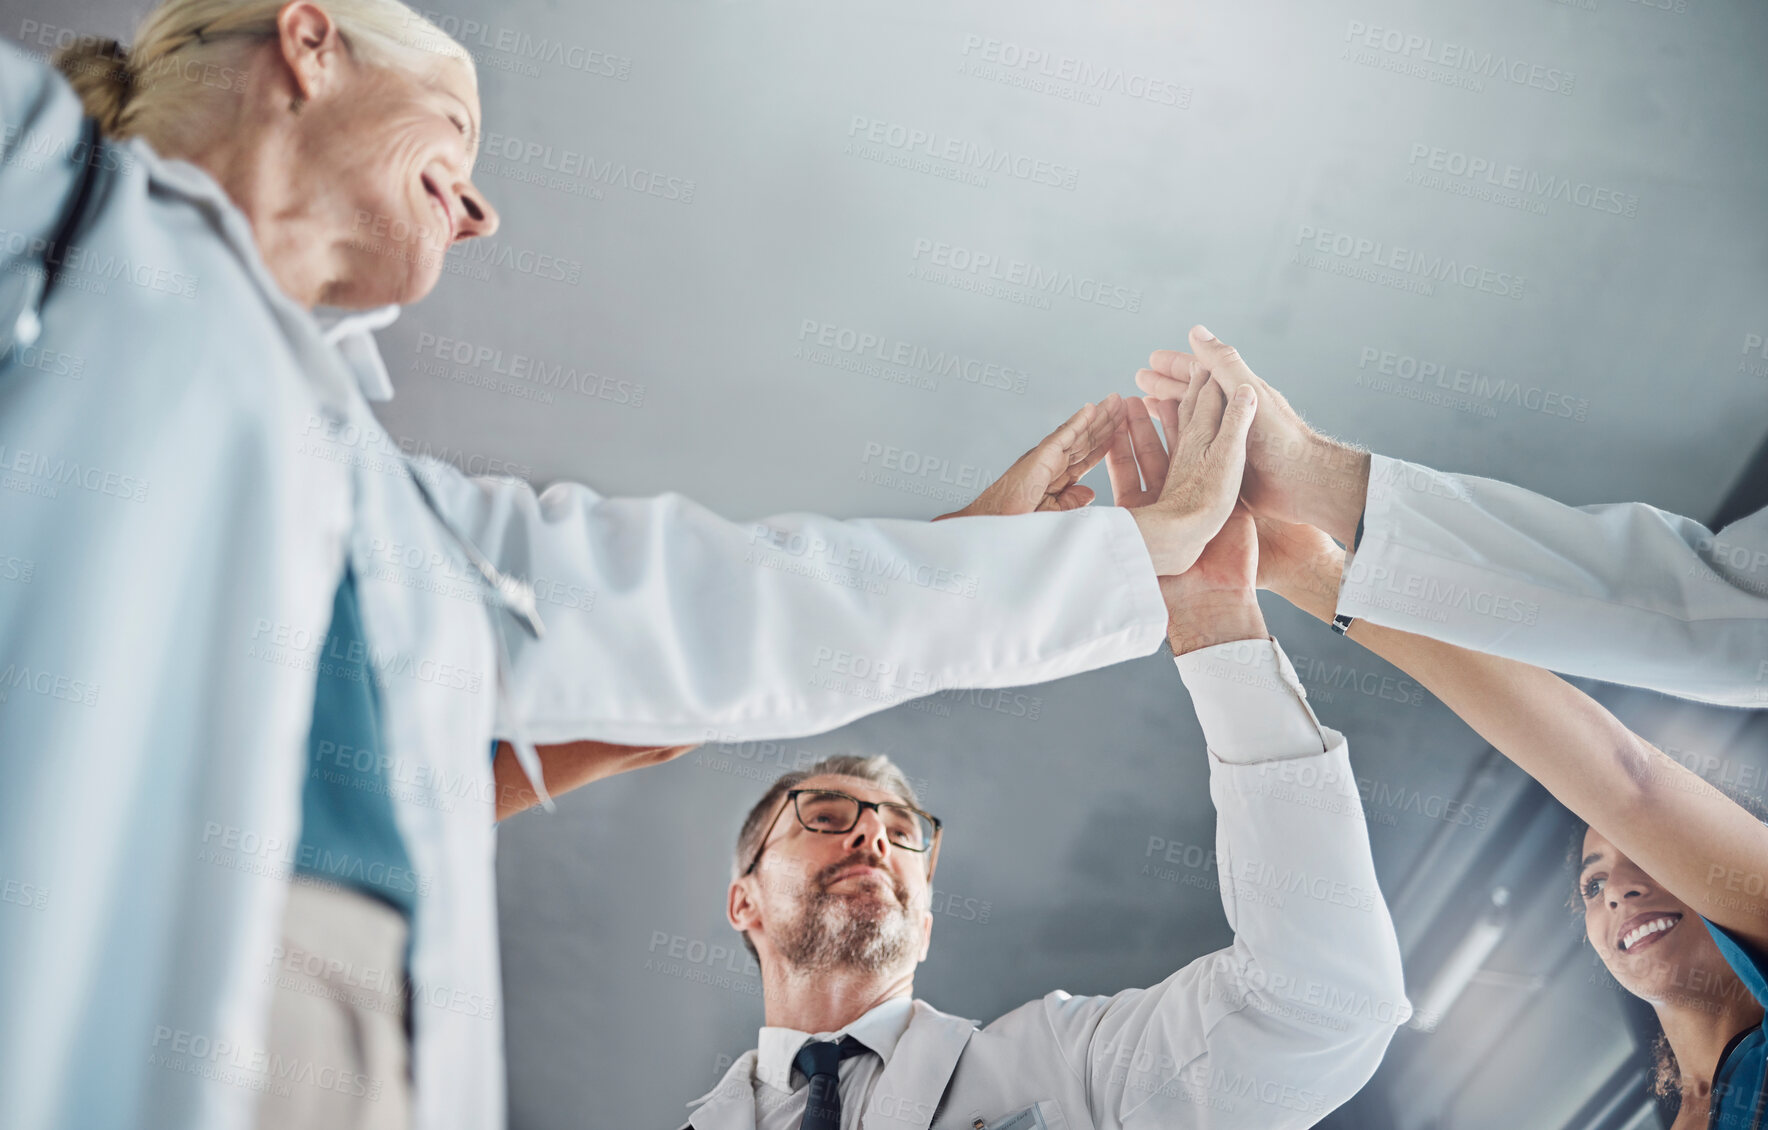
(399, 149)
(1650, 940)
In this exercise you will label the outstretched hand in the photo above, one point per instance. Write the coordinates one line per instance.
(1048, 476)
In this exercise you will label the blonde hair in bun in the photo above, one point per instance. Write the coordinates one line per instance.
(187, 54)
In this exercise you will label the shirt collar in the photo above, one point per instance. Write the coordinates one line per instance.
(879, 1030)
(352, 332)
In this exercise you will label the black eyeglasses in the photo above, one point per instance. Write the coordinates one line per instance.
(835, 813)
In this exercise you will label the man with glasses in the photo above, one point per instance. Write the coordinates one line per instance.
(831, 884)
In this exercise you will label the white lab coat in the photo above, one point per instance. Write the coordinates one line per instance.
(176, 511)
(1271, 1033)
(1626, 593)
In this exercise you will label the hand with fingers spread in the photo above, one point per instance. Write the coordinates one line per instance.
(1180, 499)
(1048, 476)
(1293, 473)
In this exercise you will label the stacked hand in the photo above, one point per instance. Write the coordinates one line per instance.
(1293, 473)
(1235, 498)
(1186, 500)
(1212, 599)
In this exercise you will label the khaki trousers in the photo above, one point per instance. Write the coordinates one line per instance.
(337, 1055)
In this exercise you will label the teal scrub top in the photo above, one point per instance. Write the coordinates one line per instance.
(348, 834)
(1739, 1089)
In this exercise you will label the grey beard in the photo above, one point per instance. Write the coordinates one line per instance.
(835, 932)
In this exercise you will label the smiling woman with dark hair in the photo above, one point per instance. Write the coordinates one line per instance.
(1705, 981)
(1672, 872)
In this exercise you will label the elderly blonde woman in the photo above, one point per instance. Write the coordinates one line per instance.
(241, 636)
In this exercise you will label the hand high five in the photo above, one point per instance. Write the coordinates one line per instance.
(1213, 601)
(1181, 497)
(1293, 473)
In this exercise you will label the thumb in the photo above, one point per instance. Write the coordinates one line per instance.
(1229, 445)
(1237, 416)
(1218, 357)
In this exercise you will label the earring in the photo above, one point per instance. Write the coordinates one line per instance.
(296, 103)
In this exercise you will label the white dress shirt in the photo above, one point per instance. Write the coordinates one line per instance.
(1626, 593)
(1271, 1032)
(781, 1089)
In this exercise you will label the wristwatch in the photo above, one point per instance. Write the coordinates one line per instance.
(1340, 622)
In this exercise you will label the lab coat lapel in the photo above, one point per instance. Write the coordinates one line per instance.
(731, 1104)
(908, 1093)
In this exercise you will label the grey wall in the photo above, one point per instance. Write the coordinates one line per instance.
(683, 312)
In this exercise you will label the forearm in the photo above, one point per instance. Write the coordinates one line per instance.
(1298, 877)
(1328, 483)
(1659, 812)
(1553, 731)
(1549, 728)
(1311, 990)
(569, 766)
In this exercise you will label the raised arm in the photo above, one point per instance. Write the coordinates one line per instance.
(1701, 845)
(666, 624)
(1626, 593)
(1289, 1021)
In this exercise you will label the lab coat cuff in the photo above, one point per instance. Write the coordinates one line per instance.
(1322, 782)
(1140, 584)
(1396, 489)
(1250, 703)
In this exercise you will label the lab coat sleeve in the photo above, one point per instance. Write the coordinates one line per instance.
(665, 623)
(1291, 1020)
(1625, 593)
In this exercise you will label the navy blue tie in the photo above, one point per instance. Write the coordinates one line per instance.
(820, 1061)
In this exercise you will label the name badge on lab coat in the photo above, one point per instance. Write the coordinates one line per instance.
(1028, 1119)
